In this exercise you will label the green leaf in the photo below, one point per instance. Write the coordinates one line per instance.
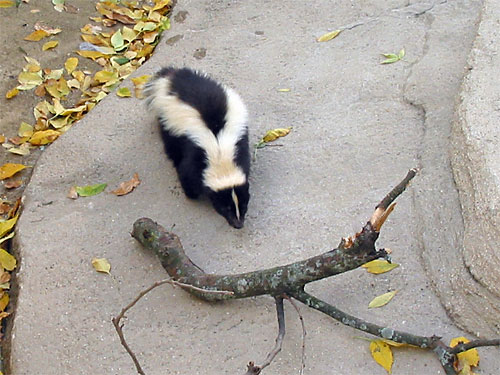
(382, 300)
(124, 92)
(401, 53)
(392, 57)
(121, 60)
(117, 41)
(90, 190)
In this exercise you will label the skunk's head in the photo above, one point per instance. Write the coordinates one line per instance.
(232, 203)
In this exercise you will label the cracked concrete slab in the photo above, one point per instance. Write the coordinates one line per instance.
(476, 166)
(358, 126)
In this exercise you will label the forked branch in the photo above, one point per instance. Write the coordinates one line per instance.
(290, 280)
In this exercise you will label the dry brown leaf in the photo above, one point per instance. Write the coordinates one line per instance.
(12, 184)
(127, 186)
(72, 193)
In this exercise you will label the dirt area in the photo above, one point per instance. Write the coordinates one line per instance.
(16, 24)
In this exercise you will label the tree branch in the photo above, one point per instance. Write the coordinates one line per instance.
(252, 369)
(291, 279)
(371, 328)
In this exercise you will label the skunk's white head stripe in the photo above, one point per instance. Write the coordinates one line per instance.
(182, 119)
(235, 201)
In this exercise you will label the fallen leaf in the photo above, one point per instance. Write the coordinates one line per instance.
(382, 300)
(14, 211)
(123, 92)
(274, 134)
(7, 261)
(37, 35)
(71, 64)
(13, 184)
(50, 30)
(8, 237)
(2, 138)
(90, 190)
(379, 266)
(128, 186)
(11, 93)
(6, 4)
(4, 301)
(382, 354)
(4, 207)
(117, 41)
(465, 360)
(284, 90)
(9, 169)
(7, 225)
(44, 137)
(50, 45)
(101, 265)
(329, 36)
(392, 57)
(25, 130)
(29, 80)
(23, 150)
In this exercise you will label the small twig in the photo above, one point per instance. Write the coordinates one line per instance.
(384, 208)
(304, 333)
(252, 369)
(463, 347)
(119, 328)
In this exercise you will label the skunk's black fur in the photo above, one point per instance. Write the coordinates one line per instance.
(205, 134)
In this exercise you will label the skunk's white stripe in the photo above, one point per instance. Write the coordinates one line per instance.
(236, 204)
(183, 120)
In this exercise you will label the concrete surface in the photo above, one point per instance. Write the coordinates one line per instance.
(358, 126)
(476, 164)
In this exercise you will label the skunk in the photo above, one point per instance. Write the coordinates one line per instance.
(205, 134)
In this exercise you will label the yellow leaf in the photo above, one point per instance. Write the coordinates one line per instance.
(37, 35)
(105, 76)
(9, 170)
(44, 137)
(2, 138)
(274, 134)
(29, 79)
(50, 45)
(328, 36)
(378, 266)
(101, 265)
(11, 93)
(382, 300)
(25, 130)
(468, 358)
(7, 225)
(6, 4)
(7, 260)
(4, 301)
(141, 80)
(123, 92)
(94, 55)
(382, 354)
(24, 149)
(71, 64)
(284, 90)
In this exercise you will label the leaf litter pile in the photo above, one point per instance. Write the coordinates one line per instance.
(120, 39)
